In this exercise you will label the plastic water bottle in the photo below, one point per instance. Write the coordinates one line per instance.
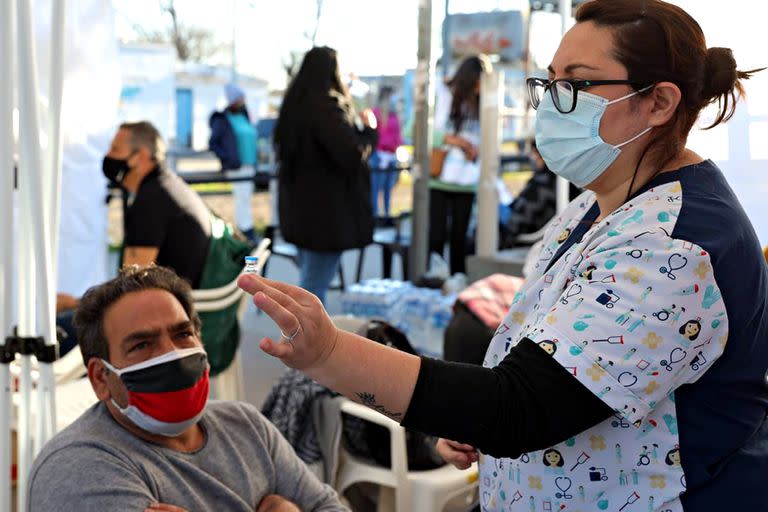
(251, 265)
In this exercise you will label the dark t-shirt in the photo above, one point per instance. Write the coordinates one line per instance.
(166, 213)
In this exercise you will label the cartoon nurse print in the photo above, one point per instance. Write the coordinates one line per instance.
(633, 313)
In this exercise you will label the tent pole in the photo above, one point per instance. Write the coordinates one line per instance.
(566, 9)
(31, 186)
(46, 384)
(6, 247)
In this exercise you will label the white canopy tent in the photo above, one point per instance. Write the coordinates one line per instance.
(38, 194)
(34, 54)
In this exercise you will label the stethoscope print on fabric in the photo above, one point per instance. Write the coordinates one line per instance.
(573, 291)
(675, 262)
(675, 356)
(563, 484)
(627, 379)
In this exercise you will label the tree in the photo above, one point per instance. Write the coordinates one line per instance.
(192, 43)
(312, 36)
(293, 61)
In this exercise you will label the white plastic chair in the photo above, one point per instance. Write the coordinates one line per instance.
(422, 491)
(229, 384)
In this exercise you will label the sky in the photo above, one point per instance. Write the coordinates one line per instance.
(373, 37)
(379, 37)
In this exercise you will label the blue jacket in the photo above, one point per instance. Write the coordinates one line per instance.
(223, 142)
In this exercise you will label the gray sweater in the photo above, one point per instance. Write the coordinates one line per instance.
(95, 464)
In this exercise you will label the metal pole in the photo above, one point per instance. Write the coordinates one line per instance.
(7, 12)
(37, 230)
(491, 98)
(422, 138)
(234, 41)
(566, 8)
(46, 390)
(446, 41)
(55, 94)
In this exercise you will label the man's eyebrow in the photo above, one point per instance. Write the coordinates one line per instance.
(186, 324)
(141, 335)
(571, 67)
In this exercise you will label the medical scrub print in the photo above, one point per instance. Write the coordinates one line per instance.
(633, 314)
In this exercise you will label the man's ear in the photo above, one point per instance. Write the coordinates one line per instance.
(666, 96)
(142, 159)
(98, 374)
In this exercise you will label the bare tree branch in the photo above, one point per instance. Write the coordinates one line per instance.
(293, 61)
(318, 14)
(192, 43)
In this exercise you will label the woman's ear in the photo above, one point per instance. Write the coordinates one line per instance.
(665, 98)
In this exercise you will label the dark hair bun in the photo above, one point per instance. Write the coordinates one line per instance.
(720, 76)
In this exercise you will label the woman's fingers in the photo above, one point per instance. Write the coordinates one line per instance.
(285, 320)
(460, 446)
(461, 463)
(253, 284)
(276, 349)
(281, 298)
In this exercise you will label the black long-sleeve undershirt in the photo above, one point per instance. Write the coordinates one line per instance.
(528, 402)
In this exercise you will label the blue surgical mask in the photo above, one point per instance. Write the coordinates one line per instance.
(570, 144)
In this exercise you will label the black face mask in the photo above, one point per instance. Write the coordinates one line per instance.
(115, 169)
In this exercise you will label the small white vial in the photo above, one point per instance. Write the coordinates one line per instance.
(251, 265)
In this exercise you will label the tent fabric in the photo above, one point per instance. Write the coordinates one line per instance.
(91, 94)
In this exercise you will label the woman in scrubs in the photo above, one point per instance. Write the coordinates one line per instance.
(630, 371)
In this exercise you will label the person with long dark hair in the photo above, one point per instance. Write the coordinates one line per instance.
(588, 361)
(452, 194)
(322, 147)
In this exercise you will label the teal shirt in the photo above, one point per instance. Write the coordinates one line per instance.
(245, 134)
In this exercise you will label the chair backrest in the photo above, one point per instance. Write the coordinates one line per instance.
(69, 367)
(398, 470)
(228, 383)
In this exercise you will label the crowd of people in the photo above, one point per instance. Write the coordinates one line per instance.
(628, 366)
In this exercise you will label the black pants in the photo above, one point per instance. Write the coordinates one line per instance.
(449, 214)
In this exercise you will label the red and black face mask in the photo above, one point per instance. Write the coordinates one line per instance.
(168, 393)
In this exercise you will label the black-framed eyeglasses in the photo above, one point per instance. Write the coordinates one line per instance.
(565, 91)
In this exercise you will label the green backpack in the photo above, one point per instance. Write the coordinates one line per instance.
(225, 261)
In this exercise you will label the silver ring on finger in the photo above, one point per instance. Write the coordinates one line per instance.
(290, 338)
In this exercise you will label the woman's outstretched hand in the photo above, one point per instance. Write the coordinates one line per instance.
(308, 336)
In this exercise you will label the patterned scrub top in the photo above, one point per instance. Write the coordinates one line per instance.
(633, 307)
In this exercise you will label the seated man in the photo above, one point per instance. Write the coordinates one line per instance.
(166, 222)
(534, 206)
(153, 440)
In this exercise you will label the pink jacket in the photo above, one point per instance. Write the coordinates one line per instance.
(389, 132)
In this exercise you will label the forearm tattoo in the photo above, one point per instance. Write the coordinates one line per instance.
(369, 400)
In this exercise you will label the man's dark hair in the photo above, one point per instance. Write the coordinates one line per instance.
(145, 135)
(89, 317)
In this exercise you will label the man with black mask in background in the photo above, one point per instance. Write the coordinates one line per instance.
(166, 222)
